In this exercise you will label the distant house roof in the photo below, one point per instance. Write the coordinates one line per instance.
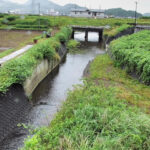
(89, 10)
(97, 10)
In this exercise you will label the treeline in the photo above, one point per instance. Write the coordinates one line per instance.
(119, 12)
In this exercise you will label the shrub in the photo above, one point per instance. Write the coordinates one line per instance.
(73, 44)
(133, 52)
(64, 35)
(11, 18)
(1, 15)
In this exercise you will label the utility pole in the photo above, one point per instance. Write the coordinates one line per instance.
(100, 7)
(33, 5)
(39, 14)
(136, 3)
(39, 8)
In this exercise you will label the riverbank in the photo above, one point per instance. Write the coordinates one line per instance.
(110, 111)
(101, 114)
(20, 76)
(132, 53)
(20, 69)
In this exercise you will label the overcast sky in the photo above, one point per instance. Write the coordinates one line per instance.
(143, 6)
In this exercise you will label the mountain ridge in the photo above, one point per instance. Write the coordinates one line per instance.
(7, 5)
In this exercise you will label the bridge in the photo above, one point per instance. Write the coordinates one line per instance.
(87, 29)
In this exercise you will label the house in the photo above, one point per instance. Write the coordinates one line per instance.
(52, 12)
(89, 13)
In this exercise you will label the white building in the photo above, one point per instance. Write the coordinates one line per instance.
(89, 13)
(52, 12)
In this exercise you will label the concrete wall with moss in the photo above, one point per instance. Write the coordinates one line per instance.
(41, 71)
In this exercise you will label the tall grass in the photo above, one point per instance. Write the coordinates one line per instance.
(133, 53)
(94, 117)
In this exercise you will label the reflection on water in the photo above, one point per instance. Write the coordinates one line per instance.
(92, 36)
(50, 94)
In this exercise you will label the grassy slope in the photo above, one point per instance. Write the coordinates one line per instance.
(19, 69)
(133, 53)
(100, 114)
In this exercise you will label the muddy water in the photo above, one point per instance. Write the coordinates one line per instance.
(53, 90)
(50, 94)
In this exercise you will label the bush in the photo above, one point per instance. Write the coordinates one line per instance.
(73, 44)
(133, 52)
(11, 18)
(64, 35)
(1, 15)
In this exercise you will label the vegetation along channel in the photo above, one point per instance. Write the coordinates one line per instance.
(74, 78)
(52, 91)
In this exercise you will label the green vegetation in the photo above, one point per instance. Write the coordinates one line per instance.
(119, 12)
(97, 115)
(73, 45)
(133, 53)
(115, 30)
(41, 22)
(25, 22)
(18, 69)
(17, 42)
(7, 52)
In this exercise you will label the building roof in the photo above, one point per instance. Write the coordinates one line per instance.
(97, 10)
(89, 10)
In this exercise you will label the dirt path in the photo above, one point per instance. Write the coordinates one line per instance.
(15, 54)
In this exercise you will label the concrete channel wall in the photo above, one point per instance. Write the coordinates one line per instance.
(128, 31)
(41, 71)
(14, 105)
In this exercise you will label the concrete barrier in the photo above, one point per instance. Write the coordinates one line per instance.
(41, 71)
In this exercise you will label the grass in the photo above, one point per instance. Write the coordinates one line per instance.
(101, 114)
(14, 40)
(135, 93)
(32, 22)
(19, 69)
(6, 52)
(132, 52)
(115, 30)
(73, 45)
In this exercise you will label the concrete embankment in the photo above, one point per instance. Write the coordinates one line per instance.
(41, 71)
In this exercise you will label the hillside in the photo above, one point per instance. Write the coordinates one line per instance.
(45, 5)
(119, 12)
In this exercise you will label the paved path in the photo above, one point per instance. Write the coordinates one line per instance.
(15, 54)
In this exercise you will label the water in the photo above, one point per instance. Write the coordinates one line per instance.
(51, 93)
(53, 90)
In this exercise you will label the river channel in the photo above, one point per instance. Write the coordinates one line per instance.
(52, 91)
